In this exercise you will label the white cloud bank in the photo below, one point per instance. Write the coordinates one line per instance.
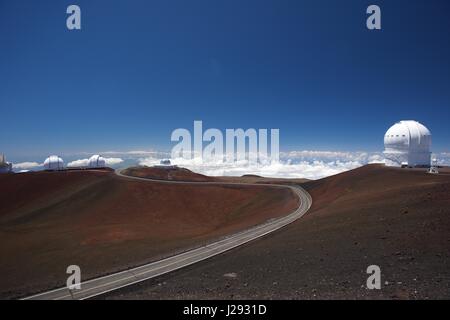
(85, 162)
(78, 163)
(26, 165)
(308, 164)
(130, 154)
(113, 161)
(293, 164)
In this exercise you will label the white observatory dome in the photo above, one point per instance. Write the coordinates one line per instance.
(96, 161)
(53, 163)
(407, 143)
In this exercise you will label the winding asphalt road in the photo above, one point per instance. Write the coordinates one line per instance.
(101, 285)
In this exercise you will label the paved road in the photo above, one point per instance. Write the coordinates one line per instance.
(118, 280)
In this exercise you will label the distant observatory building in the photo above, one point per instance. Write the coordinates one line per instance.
(407, 143)
(53, 163)
(97, 161)
(5, 167)
(165, 164)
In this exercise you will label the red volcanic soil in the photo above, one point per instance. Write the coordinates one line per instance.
(170, 173)
(183, 174)
(105, 223)
(398, 219)
(264, 180)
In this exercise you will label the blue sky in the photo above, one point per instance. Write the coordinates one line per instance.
(139, 69)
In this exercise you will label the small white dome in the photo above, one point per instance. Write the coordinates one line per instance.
(407, 142)
(165, 162)
(97, 161)
(53, 163)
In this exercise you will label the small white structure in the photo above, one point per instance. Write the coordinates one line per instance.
(165, 164)
(97, 161)
(407, 143)
(53, 163)
(5, 167)
(434, 166)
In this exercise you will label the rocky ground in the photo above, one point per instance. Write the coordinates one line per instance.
(105, 223)
(398, 219)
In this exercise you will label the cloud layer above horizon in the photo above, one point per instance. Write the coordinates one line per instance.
(30, 165)
(308, 164)
(85, 162)
(295, 164)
